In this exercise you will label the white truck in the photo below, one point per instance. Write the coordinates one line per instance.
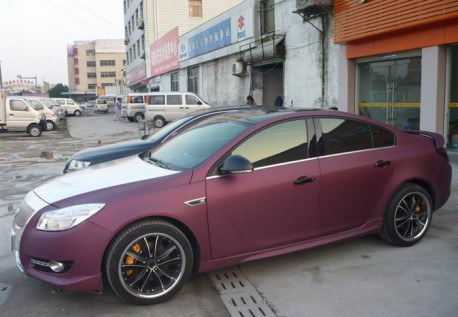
(17, 115)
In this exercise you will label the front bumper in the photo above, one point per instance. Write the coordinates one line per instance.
(79, 250)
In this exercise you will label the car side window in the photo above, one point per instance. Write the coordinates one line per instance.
(69, 102)
(280, 143)
(60, 102)
(157, 100)
(18, 105)
(382, 137)
(137, 99)
(191, 100)
(174, 100)
(344, 135)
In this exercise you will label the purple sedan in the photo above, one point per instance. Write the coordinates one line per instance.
(236, 187)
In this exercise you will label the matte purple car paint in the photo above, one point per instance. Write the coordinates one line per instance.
(225, 233)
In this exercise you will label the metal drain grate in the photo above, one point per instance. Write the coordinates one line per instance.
(239, 295)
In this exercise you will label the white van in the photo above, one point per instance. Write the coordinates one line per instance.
(101, 105)
(71, 107)
(133, 107)
(51, 116)
(17, 115)
(163, 107)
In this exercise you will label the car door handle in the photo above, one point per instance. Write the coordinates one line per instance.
(382, 163)
(304, 180)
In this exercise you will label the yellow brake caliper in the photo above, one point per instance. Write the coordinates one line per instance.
(130, 260)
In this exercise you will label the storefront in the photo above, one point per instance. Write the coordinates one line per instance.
(399, 66)
(452, 129)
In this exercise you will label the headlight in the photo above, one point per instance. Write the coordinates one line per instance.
(77, 165)
(66, 218)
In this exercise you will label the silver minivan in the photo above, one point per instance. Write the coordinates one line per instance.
(71, 107)
(164, 107)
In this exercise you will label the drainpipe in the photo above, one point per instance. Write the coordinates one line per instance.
(323, 59)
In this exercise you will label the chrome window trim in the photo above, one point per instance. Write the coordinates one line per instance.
(358, 151)
(269, 166)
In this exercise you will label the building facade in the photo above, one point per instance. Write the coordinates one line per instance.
(145, 22)
(95, 65)
(398, 62)
(393, 61)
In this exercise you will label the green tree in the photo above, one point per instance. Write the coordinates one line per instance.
(57, 90)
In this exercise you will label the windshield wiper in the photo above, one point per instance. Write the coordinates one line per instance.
(158, 162)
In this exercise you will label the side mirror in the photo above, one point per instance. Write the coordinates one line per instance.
(199, 103)
(236, 164)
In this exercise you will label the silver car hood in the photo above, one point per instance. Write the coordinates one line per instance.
(123, 171)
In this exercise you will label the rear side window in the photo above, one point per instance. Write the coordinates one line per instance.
(174, 100)
(156, 100)
(60, 102)
(343, 135)
(382, 137)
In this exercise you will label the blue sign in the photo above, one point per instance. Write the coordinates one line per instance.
(213, 38)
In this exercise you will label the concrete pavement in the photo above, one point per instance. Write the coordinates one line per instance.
(361, 277)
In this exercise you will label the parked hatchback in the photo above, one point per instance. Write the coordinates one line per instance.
(233, 188)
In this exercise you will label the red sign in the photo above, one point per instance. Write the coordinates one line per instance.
(164, 54)
(136, 74)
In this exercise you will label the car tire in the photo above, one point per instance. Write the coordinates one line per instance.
(34, 130)
(159, 121)
(148, 262)
(50, 126)
(408, 216)
(131, 119)
(138, 117)
(77, 113)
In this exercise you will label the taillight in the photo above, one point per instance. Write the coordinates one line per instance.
(443, 152)
(128, 99)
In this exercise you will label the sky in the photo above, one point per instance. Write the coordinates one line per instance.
(34, 34)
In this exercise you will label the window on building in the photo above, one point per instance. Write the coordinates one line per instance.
(141, 9)
(174, 82)
(91, 75)
(195, 8)
(90, 52)
(91, 86)
(129, 28)
(193, 80)
(76, 71)
(107, 74)
(107, 84)
(77, 80)
(267, 15)
(90, 63)
(107, 63)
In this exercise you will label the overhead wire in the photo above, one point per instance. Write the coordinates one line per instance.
(80, 19)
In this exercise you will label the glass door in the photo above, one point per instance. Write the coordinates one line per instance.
(452, 133)
(390, 91)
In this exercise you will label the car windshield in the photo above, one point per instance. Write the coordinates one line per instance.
(168, 129)
(35, 104)
(194, 146)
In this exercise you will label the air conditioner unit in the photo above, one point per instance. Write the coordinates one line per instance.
(304, 5)
(238, 69)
